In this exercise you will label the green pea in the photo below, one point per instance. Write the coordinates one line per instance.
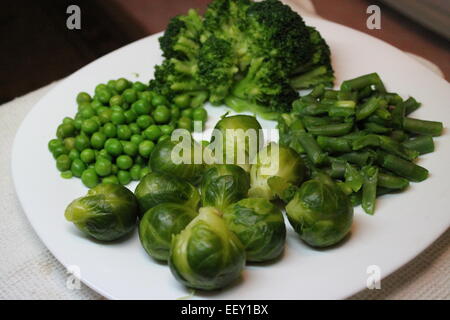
(69, 143)
(117, 117)
(114, 169)
(187, 113)
(175, 113)
(146, 148)
(121, 84)
(111, 84)
(57, 151)
(130, 148)
(83, 106)
(199, 114)
(114, 147)
(103, 167)
(110, 179)
(83, 97)
(145, 95)
(185, 123)
(141, 107)
(134, 128)
(98, 140)
(74, 154)
(153, 132)
(87, 155)
(110, 130)
(144, 121)
(158, 100)
(68, 120)
(104, 154)
(167, 129)
(129, 95)
(89, 126)
(87, 113)
(135, 172)
(54, 143)
(65, 130)
(139, 86)
(139, 160)
(117, 108)
(125, 106)
(116, 100)
(63, 162)
(161, 114)
(182, 101)
(89, 178)
(163, 138)
(124, 162)
(77, 123)
(124, 132)
(77, 167)
(66, 174)
(130, 116)
(136, 139)
(96, 104)
(104, 95)
(81, 142)
(124, 177)
(144, 172)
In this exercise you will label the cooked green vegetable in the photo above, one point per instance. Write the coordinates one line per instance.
(206, 255)
(168, 157)
(224, 184)
(260, 227)
(275, 161)
(106, 213)
(237, 140)
(156, 188)
(320, 212)
(160, 223)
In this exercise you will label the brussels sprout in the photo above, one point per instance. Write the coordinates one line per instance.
(320, 212)
(162, 160)
(276, 168)
(159, 224)
(260, 227)
(156, 188)
(241, 137)
(107, 212)
(224, 184)
(206, 255)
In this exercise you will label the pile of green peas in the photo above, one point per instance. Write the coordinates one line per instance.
(115, 131)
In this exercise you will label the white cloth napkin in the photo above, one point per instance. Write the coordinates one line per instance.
(29, 271)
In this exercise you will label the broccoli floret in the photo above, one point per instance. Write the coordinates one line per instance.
(278, 32)
(318, 70)
(217, 67)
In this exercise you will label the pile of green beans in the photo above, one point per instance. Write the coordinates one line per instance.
(114, 132)
(362, 136)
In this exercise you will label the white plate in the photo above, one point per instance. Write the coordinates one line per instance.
(402, 227)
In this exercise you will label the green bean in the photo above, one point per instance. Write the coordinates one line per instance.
(344, 187)
(360, 158)
(312, 149)
(331, 144)
(365, 92)
(401, 167)
(422, 144)
(331, 130)
(353, 178)
(312, 109)
(310, 121)
(376, 119)
(391, 181)
(369, 188)
(398, 135)
(398, 115)
(424, 127)
(411, 105)
(383, 112)
(363, 82)
(318, 91)
(368, 108)
(376, 128)
(370, 140)
(337, 169)
(344, 112)
(397, 149)
(331, 94)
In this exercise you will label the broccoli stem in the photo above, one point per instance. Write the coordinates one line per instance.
(311, 78)
(241, 105)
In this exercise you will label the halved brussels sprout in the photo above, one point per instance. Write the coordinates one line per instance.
(224, 184)
(106, 213)
(241, 138)
(320, 212)
(156, 188)
(206, 255)
(159, 224)
(276, 168)
(260, 227)
(178, 159)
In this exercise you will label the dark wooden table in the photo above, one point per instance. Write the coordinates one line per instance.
(37, 48)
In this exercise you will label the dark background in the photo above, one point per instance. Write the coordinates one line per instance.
(37, 48)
